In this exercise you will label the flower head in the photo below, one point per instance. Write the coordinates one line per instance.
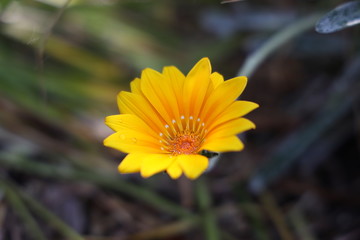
(168, 119)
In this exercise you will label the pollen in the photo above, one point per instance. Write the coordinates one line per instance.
(185, 143)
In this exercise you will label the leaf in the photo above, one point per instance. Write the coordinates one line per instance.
(345, 15)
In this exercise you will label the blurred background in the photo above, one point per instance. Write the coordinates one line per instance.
(63, 62)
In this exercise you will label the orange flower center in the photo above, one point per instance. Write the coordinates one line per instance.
(185, 143)
(184, 136)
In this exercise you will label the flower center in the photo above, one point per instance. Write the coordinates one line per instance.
(184, 143)
(184, 136)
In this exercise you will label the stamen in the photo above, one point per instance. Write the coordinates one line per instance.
(202, 131)
(193, 123)
(178, 124)
(170, 130)
(186, 142)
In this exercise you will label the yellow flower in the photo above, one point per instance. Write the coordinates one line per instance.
(168, 119)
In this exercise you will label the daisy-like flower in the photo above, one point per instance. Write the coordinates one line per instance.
(168, 119)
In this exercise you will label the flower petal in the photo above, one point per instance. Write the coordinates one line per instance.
(216, 79)
(193, 165)
(122, 122)
(159, 94)
(175, 79)
(135, 86)
(230, 128)
(154, 163)
(130, 103)
(227, 144)
(131, 163)
(222, 97)
(174, 170)
(174, 74)
(235, 110)
(195, 87)
(129, 141)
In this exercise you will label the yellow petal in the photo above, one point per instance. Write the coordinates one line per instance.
(216, 79)
(161, 92)
(154, 163)
(193, 165)
(135, 86)
(174, 170)
(222, 97)
(174, 74)
(235, 110)
(115, 121)
(122, 122)
(130, 103)
(130, 141)
(227, 144)
(155, 88)
(195, 87)
(201, 66)
(131, 163)
(230, 128)
(176, 79)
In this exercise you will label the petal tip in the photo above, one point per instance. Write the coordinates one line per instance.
(106, 142)
(242, 81)
(174, 177)
(250, 124)
(149, 72)
(174, 171)
(202, 66)
(206, 59)
(108, 119)
(121, 168)
(243, 78)
(145, 174)
(193, 165)
(121, 94)
(125, 169)
(193, 177)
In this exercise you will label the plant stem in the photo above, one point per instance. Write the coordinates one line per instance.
(300, 225)
(208, 217)
(276, 216)
(294, 29)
